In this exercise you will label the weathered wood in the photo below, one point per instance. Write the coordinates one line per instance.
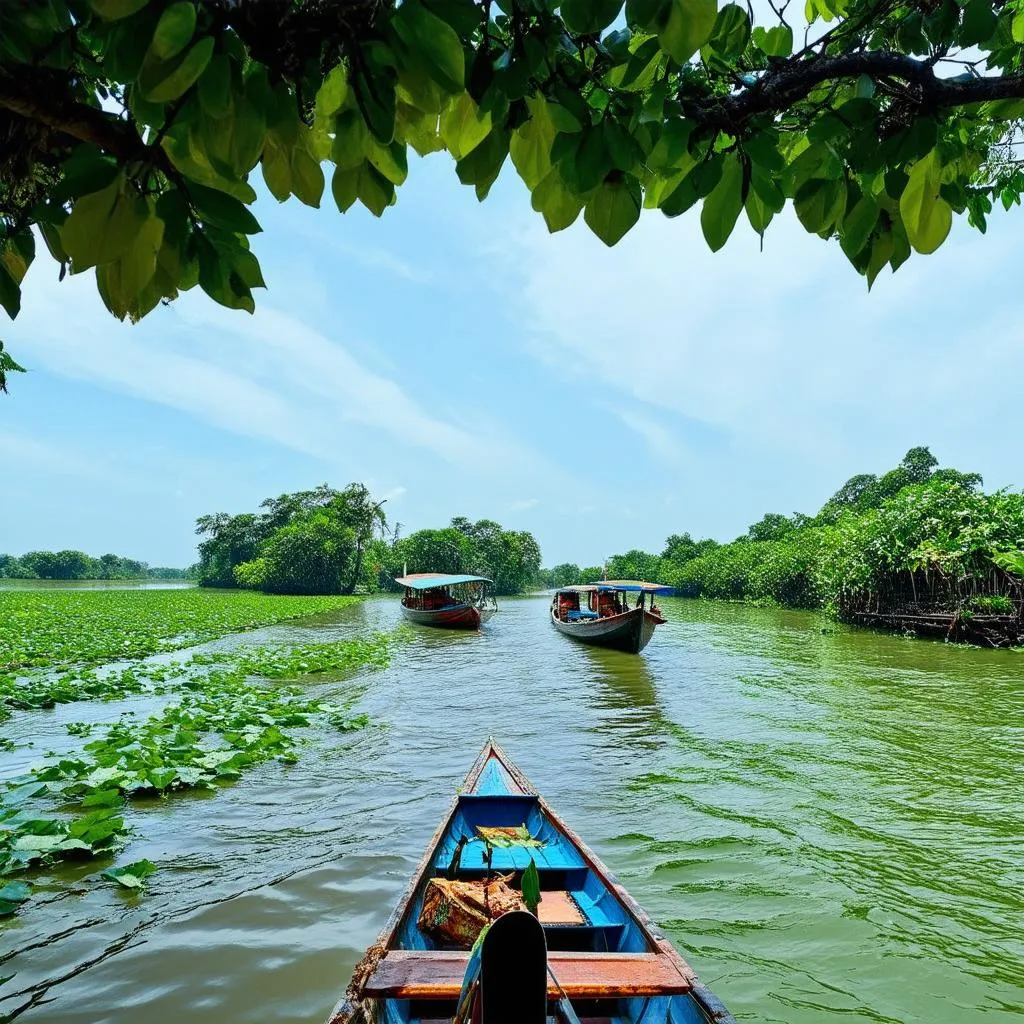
(438, 974)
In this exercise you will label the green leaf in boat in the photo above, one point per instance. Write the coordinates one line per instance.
(505, 836)
(531, 887)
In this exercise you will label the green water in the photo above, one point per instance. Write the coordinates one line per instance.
(828, 824)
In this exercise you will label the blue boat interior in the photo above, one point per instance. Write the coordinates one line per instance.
(607, 926)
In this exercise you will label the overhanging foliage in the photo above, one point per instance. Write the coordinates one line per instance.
(130, 129)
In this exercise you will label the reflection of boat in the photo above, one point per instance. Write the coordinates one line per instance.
(606, 960)
(606, 620)
(448, 602)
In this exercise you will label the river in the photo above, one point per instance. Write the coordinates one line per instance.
(827, 822)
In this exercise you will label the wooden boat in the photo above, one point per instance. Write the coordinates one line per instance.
(606, 958)
(445, 601)
(606, 620)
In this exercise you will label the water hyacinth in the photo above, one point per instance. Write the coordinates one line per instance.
(225, 720)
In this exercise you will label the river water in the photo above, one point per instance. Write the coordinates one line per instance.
(827, 822)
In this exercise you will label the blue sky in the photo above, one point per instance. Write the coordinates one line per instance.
(461, 361)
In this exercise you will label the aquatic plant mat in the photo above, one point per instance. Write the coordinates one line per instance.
(221, 714)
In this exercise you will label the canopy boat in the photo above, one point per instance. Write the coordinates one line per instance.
(599, 613)
(606, 962)
(448, 602)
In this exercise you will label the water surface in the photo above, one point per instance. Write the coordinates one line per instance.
(827, 822)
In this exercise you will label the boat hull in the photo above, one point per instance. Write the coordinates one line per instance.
(630, 632)
(463, 616)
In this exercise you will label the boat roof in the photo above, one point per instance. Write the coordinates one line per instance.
(632, 585)
(430, 580)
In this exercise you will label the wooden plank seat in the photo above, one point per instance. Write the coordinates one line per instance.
(437, 974)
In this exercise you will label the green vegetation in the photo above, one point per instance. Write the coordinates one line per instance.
(60, 628)
(918, 538)
(310, 542)
(231, 714)
(326, 541)
(76, 565)
(511, 558)
(132, 127)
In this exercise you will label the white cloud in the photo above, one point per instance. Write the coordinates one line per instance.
(777, 351)
(268, 376)
(523, 504)
(661, 441)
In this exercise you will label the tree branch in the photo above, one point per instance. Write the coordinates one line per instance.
(789, 83)
(79, 121)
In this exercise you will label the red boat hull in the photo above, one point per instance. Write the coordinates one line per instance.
(460, 616)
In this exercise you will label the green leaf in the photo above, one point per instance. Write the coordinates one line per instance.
(345, 187)
(174, 30)
(123, 280)
(130, 876)
(592, 161)
(102, 226)
(505, 836)
(393, 161)
(881, 253)
(7, 365)
(482, 167)
(722, 207)
(926, 215)
(376, 193)
(113, 10)
(613, 209)
(10, 293)
(163, 81)
(462, 15)
(646, 15)
(434, 41)
(375, 96)
(277, 171)
(731, 32)
(463, 126)
(223, 210)
(530, 146)
(775, 42)
(307, 177)
(530, 886)
(555, 202)
(103, 798)
(687, 27)
(588, 17)
(38, 844)
(215, 86)
(857, 226)
(1017, 28)
(15, 892)
(819, 203)
(330, 97)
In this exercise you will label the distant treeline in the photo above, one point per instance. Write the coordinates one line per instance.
(77, 565)
(918, 537)
(326, 541)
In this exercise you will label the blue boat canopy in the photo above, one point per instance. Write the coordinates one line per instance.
(432, 580)
(635, 586)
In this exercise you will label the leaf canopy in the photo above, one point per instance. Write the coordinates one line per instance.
(133, 128)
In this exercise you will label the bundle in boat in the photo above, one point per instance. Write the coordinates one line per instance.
(455, 913)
